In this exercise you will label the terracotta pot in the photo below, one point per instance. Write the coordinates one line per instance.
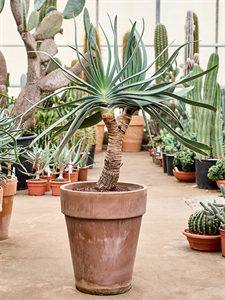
(150, 150)
(100, 136)
(83, 173)
(159, 158)
(219, 182)
(185, 176)
(1, 198)
(72, 176)
(133, 137)
(48, 178)
(222, 234)
(205, 243)
(9, 192)
(56, 184)
(103, 230)
(36, 188)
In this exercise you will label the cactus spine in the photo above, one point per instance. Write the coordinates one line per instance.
(198, 224)
(196, 34)
(189, 35)
(160, 43)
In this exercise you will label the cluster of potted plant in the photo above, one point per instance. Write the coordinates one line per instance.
(184, 165)
(95, 211)
(206, 228)
(217, 172)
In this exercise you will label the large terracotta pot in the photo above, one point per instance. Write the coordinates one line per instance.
(9, 192)
(103, 230)
(184, 176)
(205, 243)
(1, 198)
(222, 234)
(133, 137)
(100, 136)
(36, 188)
(56, 184)
(73, 177)
(219, 182)
(83, 173)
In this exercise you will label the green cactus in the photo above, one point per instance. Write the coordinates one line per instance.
(160, 43)
(196, 96)
(73, 62)
(208, 131)
(124, 45)
(51, 66)
(45, 7)
(198, 224)
(189, 37)
(196, 34)
(33, 20)
(49, 26)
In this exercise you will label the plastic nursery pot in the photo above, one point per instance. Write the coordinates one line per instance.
(56, 184)
(219, 182)
(202, 168)
(36, 187)
(103, 230)
(205, 243)
(222, 234)
(9, 192)
(184, 176)
(83, 173)
(164, 163)
(169, 164)
(73, 177)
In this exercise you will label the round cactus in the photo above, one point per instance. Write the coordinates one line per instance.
(198, 224)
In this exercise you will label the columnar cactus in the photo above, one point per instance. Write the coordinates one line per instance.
(198, 224)
(196, 34)
(160, 43)
(209, 132)
(189, 37)
(196, 96)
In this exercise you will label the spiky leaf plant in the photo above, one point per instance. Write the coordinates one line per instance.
(111, 88)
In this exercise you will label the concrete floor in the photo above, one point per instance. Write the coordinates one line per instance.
(36, 262)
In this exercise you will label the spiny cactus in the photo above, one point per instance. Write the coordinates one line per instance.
(160, 43)
(198, 224)
(209, 125)
(189, 37)
(196, 96)
(196, 34)
(49, 26)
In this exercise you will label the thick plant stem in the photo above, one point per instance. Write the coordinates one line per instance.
(116, 131)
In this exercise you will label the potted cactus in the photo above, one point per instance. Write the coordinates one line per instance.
(208, 124)
(95, 210)
(217, 172)
(184, 165)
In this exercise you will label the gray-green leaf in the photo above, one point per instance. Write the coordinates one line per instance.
(50, 9)
(38, 4)
(73, 8)
(2, 2)
(33, 20)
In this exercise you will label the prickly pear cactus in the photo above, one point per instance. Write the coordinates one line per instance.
(46, 5)
(198, 224)
(160, 43)
(51, 66)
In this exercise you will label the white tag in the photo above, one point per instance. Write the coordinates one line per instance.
(176, 169)
(70, 169)
(49, 172)
(158, 149)
(13, 172)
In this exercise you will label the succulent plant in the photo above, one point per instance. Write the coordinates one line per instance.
(199, 224)
(189, 37)
(217, 172)
(196, 34)
(184, 161)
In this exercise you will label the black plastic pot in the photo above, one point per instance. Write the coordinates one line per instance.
(164, 163)
(169, 164)
(202, 167)
(23, 142)
(91, 156)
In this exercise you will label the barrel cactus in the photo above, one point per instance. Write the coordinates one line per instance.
(198, 224)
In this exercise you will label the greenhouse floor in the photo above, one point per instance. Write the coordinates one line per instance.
(36, 262)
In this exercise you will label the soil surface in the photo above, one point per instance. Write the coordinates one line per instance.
(93, 190)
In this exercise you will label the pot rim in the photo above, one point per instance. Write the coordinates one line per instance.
(199, 236)
(182, 172)
(37, 181)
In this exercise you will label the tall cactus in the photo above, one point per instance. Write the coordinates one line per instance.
(189, 37)
(196, 34)
(208, 130)
(199, 224)
(160, 43)
(196, 96)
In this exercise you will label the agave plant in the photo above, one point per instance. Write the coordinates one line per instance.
(118, 87)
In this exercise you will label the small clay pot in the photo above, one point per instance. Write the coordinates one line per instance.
(219, 182)
(205, 243)
(56, 184)
(73, 177)
(48, 178)
(222, 234)
(36, 188)
(185, 176)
